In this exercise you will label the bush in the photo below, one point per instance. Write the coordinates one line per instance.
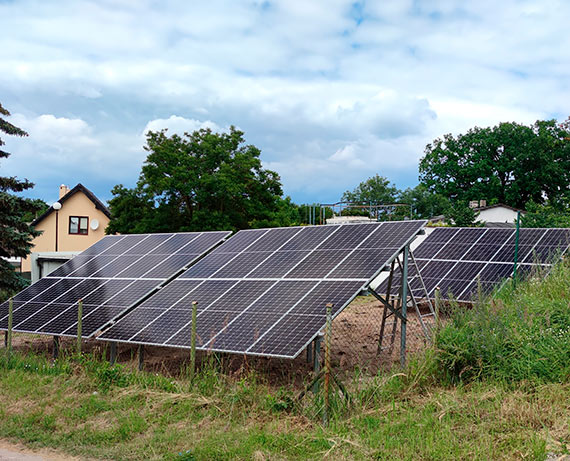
(522, 334)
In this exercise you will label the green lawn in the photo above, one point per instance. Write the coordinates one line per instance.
(95, 411)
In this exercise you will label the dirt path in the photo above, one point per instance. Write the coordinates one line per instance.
(11, 452)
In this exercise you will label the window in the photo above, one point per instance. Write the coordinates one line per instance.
(78, 225)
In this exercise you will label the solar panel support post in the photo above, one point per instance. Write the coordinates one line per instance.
(55, 347)
(113, 353)
(404, 309)
(9, 332)
(79, 325)
(141, 357)
(309, 352)
(193, 340)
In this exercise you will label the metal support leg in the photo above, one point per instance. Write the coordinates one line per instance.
(6, 339)
(113, 353)
(404, 309)
(55, 347)
(141, 357)
(310, 352)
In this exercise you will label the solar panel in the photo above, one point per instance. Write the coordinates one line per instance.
(460, 261)
(109, 277)
(264, 291)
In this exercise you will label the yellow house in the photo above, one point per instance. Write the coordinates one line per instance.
(79, 222)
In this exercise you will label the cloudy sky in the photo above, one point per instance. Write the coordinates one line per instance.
(331, 91)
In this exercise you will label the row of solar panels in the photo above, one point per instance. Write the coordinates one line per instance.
(461, 262)
(260, 292)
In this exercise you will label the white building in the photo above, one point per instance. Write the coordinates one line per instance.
(497, 214)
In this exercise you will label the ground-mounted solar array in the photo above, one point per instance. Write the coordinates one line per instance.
(108, 277)
(263, 292)
(462, 261)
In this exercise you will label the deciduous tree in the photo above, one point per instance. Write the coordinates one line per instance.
(200, 181)
(509, 163)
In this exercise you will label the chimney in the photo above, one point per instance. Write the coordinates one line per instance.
(63, 189)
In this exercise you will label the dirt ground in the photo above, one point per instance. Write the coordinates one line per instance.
(11, 452)
(354, 346)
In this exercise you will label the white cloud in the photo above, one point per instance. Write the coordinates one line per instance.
(330, 101)
(179, 125)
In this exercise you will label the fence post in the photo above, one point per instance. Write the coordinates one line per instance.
(113, 353)
(516, 248)
(141, 357)
(10, 320)
(193, 341)
(55, 347)
(437, 306)
(328, 340)
(79, 325)
(404, 309)
(317, 360)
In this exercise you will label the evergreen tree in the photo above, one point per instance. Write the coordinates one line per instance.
(15, 233)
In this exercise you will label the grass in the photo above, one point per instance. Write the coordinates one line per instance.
(87, 408)
(495, 387)
(522, 334)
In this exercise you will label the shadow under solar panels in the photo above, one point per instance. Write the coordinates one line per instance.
(462, 261)
(109, 277)
(264, 291)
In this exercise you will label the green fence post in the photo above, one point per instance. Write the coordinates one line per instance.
(328, 340)
(516, 248)
(79, 325)
(193, 340)
(10, 320)
(404, 309)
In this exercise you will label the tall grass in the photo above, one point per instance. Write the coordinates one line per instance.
(523, 333)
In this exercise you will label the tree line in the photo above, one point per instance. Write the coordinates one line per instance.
(210, 181)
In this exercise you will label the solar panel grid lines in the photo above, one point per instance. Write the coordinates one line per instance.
(91, 285)
(261, 258)
(265, 286)
(55, 298)
(489, 259)
(190, 297)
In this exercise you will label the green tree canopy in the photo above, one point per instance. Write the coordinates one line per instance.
(200, 181)
(508, 163)
(16, 233)
(376, 190)
(424, 203)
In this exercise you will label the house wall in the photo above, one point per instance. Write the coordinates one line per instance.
(76, 205)
(498, 214)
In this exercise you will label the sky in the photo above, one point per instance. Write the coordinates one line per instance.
(332, 92)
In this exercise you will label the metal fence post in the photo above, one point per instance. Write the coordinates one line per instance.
(317, 360)
(141, 357)
(10, 320)
(193, 340)
(516, 248)
(113, 353)
(79, 325)
(404, 307)
(55, 347)
(328, 340)
(437, 306)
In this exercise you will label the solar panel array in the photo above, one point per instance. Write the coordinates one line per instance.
(109, 277)
(263, 292)
(459, 260)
